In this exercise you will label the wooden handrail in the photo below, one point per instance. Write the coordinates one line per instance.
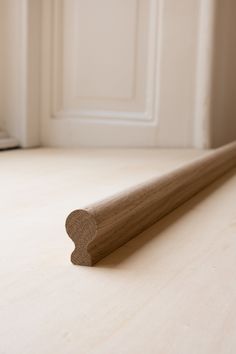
(102, 227)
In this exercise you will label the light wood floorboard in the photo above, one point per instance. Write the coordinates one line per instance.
(171, 290)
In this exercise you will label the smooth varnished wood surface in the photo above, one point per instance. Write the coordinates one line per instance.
(170, 290)
(102, 227)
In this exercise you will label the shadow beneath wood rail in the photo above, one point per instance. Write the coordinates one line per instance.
(130, 248)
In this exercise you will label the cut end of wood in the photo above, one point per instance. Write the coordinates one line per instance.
(81, 228)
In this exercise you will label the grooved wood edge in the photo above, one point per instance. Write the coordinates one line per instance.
(102, 227)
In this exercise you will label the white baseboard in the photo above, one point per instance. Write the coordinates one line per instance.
(7, 142)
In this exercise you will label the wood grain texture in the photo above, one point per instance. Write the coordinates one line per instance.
(101, 228)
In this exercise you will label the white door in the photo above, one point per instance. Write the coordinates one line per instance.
(119, 72)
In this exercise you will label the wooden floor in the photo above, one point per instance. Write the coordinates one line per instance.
(172, 290)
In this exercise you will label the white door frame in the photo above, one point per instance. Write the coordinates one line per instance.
(21, 47)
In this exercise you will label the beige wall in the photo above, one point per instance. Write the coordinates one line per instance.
(224, 74)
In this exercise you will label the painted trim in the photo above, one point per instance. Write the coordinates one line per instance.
(56, 77)
(202, 131)
(23, 71)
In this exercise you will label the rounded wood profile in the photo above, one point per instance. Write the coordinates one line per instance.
(102, 227)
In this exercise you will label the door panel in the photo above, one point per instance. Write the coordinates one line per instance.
(109, 75)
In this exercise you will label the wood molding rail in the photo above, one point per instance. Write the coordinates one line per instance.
(102, 227)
